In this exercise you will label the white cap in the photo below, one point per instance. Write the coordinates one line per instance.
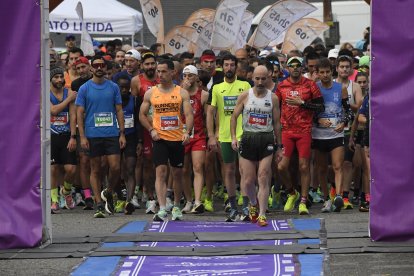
(264, 53)
(190, 69)
(333, 53)
(133, 53)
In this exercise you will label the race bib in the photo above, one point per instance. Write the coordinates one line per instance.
(335, 119)
(129, 121)
(60, 120)
(229, 104)
(103, 119)
(257, 119)
(169, 122)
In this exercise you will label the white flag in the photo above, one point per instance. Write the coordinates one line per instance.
(302, 33)
(180, 39)
(199, 19)
(204, 39)
(244, 30)
(226, 23)
(152, 11)
(279, 18)
(86, 40)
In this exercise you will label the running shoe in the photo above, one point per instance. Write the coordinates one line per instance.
(176, 213)
(100, 212)
(129, 208)
(62, 202)
(109, 201)
(262, 221)
(364, 206)
(79, 200)
(120, 206)
(169, 205)
(144, 198)
(338, 203)
(208, 205)
(253, 214)
(227, 207)
(332, 193)
(327, 206)
(203, 194)
(69, 203)
(347, 205)
(245, 216)
(187, 208)
(198, 209)
(151, 207)
(134, 202)
(240, 200)
(54, 208)
(290, 203)
(276, 199)
(303, 210)
(160, 216)
(88, 204)
(232, 217)
(315, 197)
(355, 200)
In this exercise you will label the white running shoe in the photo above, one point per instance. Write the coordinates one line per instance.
(187, 208)
(134, 202)
(151, 207)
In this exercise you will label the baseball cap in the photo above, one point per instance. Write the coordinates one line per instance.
(297, 59)
(70, 37)
(190, 69)
(364, 61)
(81, 60)
(333, 53)
(264, 53)
(133, 53)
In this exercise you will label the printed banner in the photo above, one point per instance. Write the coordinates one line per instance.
(244, 30)
(20, 144)
(391, 106)
(204, 39)
(181, 39)
(302, 33)
(277, 19)
(86, 40)
(152, 11)
(227, 22)
(199, 19)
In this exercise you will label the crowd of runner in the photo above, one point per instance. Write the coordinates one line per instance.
(133, 128)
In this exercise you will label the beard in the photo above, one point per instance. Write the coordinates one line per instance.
(58, 85)
(230, 74)
(150, 73)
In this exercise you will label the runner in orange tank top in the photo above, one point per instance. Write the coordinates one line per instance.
(166, 128)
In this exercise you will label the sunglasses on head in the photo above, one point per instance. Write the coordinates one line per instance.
(98, 65)
(151, 54)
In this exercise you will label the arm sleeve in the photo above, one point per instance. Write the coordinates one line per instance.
(348, 114)
(316, 104)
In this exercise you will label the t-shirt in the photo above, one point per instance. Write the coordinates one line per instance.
(224, 98)
(99, 101)
(60, 123)
(332, 98)
(296, 119)
(76, 84)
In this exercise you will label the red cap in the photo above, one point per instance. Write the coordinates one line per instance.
(81, 60)
(107, 57)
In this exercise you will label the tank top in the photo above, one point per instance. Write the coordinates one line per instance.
(166, 116)
(198, 113)
(145, 84)
(129, 116)
(59, 124)
(257, 113)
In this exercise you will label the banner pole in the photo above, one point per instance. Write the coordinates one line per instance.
(45, 125)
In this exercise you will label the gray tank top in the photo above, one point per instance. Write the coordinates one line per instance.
(257, 113)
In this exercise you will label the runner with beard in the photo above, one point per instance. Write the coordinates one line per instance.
(98, 102)
(63, 139)
(139, 85)
(223, 100)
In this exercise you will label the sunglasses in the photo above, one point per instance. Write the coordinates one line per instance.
(151, 54)
(98, 65)
(294, 66)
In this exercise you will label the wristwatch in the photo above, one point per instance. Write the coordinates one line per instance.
(73, 136)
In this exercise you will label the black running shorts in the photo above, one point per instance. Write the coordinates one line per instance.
(103, 146)
(256, 146)
(164, 151)
(59, 152)
(327, 145)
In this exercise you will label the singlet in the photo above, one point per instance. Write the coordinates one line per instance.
(129, 116)
(145, 84)
(166, 116)
(333, 112)
(99, 101)
(351, 98)
(224, 97)
(198, 113)
(59, 124)
(296, 119)
(257, 113)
